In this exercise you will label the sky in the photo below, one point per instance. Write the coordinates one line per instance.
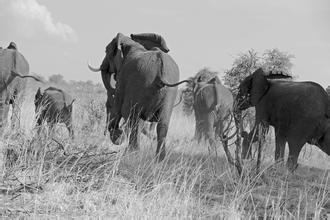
(60, 36)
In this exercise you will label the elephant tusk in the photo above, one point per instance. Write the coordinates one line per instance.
(93, 68)
(113, 81)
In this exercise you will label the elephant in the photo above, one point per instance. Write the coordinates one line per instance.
(298, 111)
(145, 87)
(213, 105)
(13, 66)
(54, 106)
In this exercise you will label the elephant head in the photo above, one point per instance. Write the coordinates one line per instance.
(110, 67)
(254, 87)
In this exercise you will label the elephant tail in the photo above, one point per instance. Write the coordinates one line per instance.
(163, 82)
(175, 84)
(14, 73)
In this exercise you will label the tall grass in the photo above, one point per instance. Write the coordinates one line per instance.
(92, 178)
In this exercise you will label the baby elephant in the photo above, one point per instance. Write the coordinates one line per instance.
(54, 106)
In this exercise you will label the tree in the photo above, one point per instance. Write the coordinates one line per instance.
(272, 61)
(56, 78)
(277, 62)
(244, 65)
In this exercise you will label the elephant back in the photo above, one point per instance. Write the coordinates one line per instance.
(151, 40)
(12, 60)
(214, 97)
(57, 97)
(225, 98)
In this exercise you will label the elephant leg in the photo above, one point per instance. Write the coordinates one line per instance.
(15, 119)
(219, 129)
(209, 131)
(148, 129)
(68, 124)
(107, 122)
(324, 142)
(246, 145)
(251, 138)
(16, 102)
(51, 128)
(198, 126)
(39, 123)
(198, 132)
(294, 150)
(145, 130)
(162, 128)
(134, 136)
(280, 142)
(152, 130)
(4, 109)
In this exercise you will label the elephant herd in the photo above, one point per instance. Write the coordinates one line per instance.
(141, 79)
(53, 105)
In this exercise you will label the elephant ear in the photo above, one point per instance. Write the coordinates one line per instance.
(113, 60)
(215, 81)
(118, 56)
(151, 40)
(258, 86)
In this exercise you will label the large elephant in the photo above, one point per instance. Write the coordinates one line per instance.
(213, 105)
(298, 111)
(54, 106)
(143, 89)
(13, 66)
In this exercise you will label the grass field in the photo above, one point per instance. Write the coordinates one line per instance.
(93, 178)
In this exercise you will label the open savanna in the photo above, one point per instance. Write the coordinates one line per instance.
(92, 178)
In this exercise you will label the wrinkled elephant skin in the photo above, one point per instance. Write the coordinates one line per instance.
(141, 69)
(54, 106)
(290, 107)
(213, 104)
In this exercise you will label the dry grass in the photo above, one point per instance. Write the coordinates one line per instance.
(88, 180)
